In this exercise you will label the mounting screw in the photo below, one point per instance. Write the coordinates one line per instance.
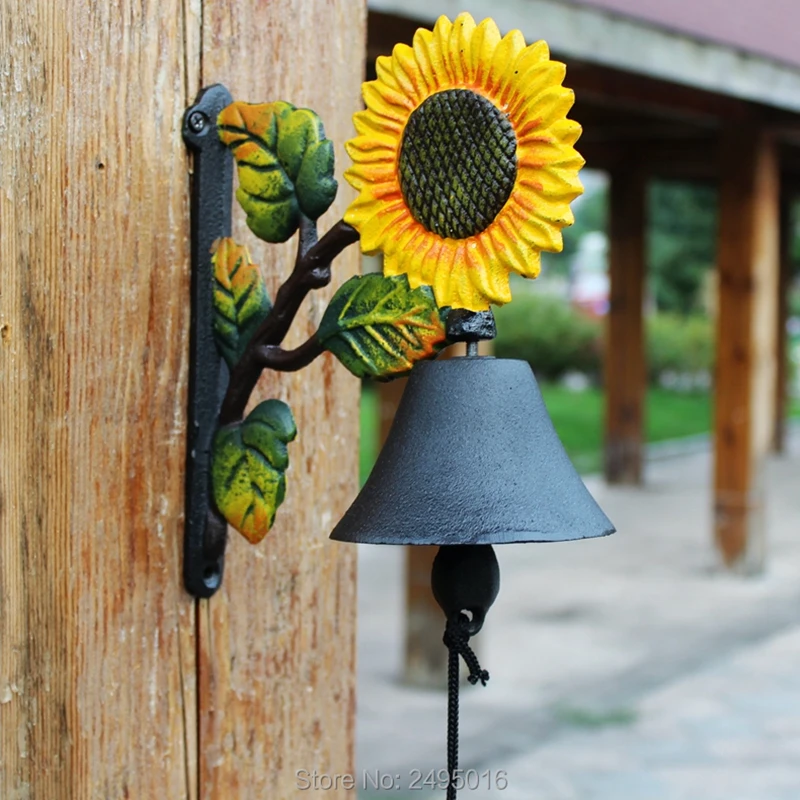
(197, 121)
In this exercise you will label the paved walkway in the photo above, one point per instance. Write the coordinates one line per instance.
(626, 668)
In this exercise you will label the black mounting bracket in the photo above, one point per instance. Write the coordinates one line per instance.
(205, 536)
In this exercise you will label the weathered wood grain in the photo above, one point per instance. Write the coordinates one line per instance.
(97, 651)
(277, 671)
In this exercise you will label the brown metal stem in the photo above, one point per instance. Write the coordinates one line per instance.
(274, 357)
(312, 270)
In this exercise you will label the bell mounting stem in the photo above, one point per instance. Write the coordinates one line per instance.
(470, 327)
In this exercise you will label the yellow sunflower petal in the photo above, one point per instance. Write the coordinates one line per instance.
(422, 45)
(534, 55)
(363, 173)
(407, 73)
(522, 257)
(566, 130)
(542, 233)
(551, 182)
(534, 82)
(488, 271)
(377, 102)
(442, 289)
(422, 270)
(383, 99)
(545, 150)
(376, 230)
(459, 49)
(391, 267)
(385, 72)
(368, 124)
(413, 257)
(501, 71)
(549, 107)
(441, 50)
(484, 42)
(368, 149)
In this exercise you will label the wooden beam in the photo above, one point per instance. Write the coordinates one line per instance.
(277, 644)
(781, 345)
(425, 660)
(114, 682)
(748, 264)
(679, 159)
(97, 643)
(600, 84)
(625, 373)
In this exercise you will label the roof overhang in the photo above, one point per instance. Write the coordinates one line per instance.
(596, 36)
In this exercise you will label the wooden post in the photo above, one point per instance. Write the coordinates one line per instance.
(277, 644)
(425, 663)
(746, 342)
(100, 646)
(781, 345)
(97, 689)
(625, 371)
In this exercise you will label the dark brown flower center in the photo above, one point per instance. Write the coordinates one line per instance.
(458, 163)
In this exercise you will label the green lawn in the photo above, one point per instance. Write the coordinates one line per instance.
(577, 417)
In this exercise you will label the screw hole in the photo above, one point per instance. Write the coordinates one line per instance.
(212, 576)
(100, 165)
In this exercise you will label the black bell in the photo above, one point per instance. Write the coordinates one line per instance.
(472, 458)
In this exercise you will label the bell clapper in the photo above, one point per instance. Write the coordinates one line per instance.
(465, 579)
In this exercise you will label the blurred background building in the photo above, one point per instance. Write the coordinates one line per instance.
(668, 326)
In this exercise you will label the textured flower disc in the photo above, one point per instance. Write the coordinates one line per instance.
(458, 163)
(464, 161)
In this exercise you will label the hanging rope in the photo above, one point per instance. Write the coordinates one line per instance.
(456, 639)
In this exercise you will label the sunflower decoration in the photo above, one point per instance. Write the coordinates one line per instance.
(464, 161)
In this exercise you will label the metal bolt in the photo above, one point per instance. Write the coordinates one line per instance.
(197, 121)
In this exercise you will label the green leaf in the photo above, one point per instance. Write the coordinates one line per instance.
(379, 327)
(248, 465)
(285, 165)
(315, 185)
(241, 302)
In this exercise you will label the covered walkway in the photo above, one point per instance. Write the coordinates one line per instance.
(626, 668)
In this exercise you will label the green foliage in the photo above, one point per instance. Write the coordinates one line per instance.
(248, 465)
(679, 344)
(379, 327)
(548, 334)
(285, 165)
(682, 235)
(682, 243)
(555, 339)
(241, 302)
(578, 419)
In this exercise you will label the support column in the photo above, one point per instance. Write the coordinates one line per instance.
(625, 373)
(784, 280)
(425, 661)
(748, 262)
